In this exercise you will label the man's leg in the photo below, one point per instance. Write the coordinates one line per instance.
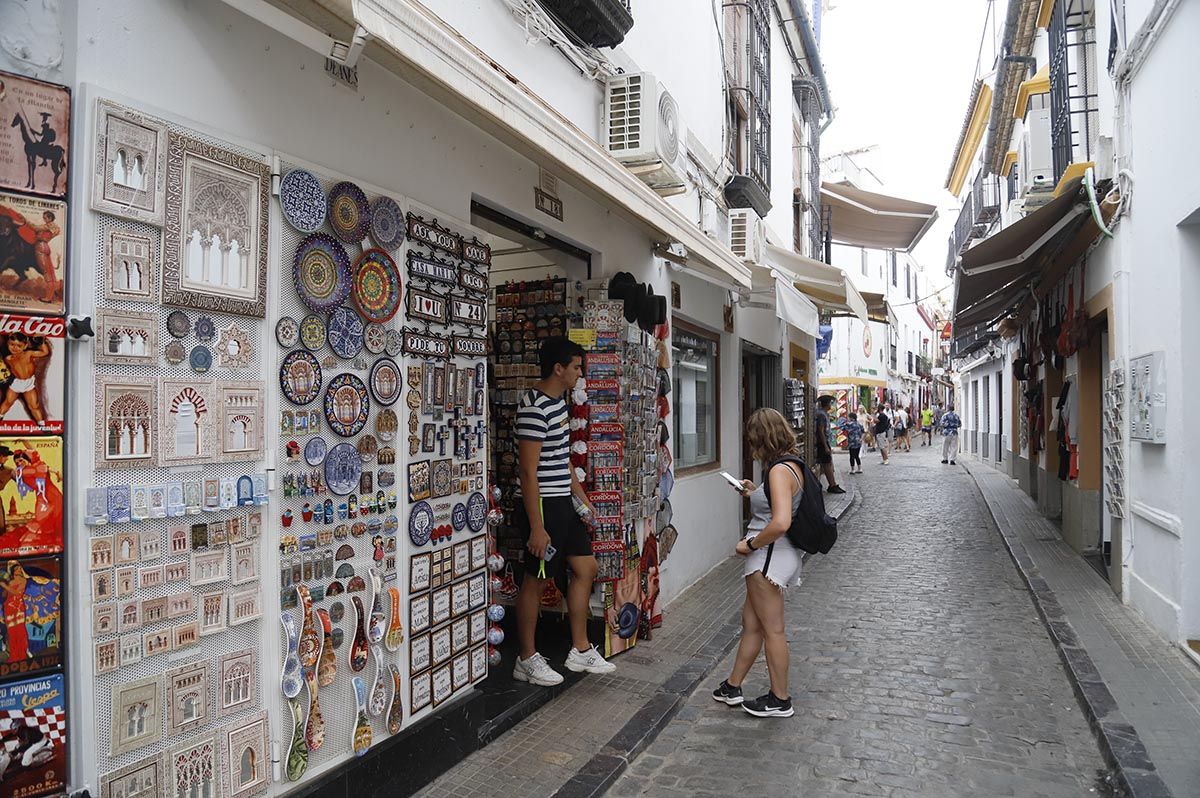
(830, 475)
(953, 446)
(579, 590)
(529, 601)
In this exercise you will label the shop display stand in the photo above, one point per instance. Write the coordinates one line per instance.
(795, 409)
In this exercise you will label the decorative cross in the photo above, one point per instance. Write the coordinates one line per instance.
(443, 435)
(480, 433)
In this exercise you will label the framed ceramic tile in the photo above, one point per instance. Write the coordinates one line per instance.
(418, 481)
(245, 563)
(462, 559)
(418, 573)
(127, 434)
(479, 663)
(129, 615)
(479, 625)
(194, 768)
(137, 709)
(130, 649)
(150, 577)
(244, 606)
(149, 545)
(460, 671)
(217, 534)
(126, 338)
(185, 635)
(209, 566)
(460, 635)
(237, 681)
(215, 230)
(154, 610)
(158, 641)
(102, 586)
(104, 619)
(247, 758)
(181, 605)
(478, 553)
(443, 685)
(234, 349)
(420, 692)
(105, 657)
(418, 613)
(440, 612)
(175, 572)
(142, 779)
(418, 653)
(177, 540)
(440, 645)
(241, 427)
(126, 581)
(460, 599)
(477, 591)
(101, 553)
(130, 267)
(125, 547)
(187, 423)
(130, 174)
(188, 703)
(212, 613)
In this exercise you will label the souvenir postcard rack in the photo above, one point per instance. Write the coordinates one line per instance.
(795, 409)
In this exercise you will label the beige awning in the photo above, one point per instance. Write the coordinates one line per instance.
(827, 286)
(866, 219)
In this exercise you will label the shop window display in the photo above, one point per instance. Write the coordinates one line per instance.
(696, 385)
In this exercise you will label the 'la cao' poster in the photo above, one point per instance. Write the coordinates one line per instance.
(32, 360)
(33, 737)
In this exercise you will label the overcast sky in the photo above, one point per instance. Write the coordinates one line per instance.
(900, 73)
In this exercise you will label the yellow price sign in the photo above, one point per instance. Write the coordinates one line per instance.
(584, 337)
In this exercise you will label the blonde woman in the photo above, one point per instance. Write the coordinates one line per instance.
(771, 564)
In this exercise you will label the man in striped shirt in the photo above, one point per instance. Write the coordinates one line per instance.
(548, 517)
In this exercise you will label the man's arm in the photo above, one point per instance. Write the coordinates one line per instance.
(579, 492)
(529, 452)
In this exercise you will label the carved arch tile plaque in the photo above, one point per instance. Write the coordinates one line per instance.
(130, 174)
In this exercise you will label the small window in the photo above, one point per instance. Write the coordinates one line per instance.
(908, 281)
(697, 386)
(892, 256)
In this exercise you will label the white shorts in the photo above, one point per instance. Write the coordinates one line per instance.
(21, 386)
(779, 563)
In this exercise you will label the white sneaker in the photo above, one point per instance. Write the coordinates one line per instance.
(589, 661)
(536, 670)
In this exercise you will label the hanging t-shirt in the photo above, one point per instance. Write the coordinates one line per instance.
(543, 418)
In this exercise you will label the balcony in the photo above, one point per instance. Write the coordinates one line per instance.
(599, 23)
(981, 207)
(924, 367)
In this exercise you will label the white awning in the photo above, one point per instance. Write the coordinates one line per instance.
(794, 308)
(877, 221)
(826, 285)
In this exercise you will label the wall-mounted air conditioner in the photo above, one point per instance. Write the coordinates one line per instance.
(643, 130)
(1035, 161)
(746, 237)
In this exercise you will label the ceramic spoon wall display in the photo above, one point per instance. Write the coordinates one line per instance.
(378, 701)
(310, 642)
(395, 632)
(291, 681)
(376, 626)
(395, 715)
(314, 729)
(297, 755)
(362, 724)
(358, 649)
(327, 664)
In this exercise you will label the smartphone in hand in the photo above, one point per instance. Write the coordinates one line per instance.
(549, 553)
(736, 483)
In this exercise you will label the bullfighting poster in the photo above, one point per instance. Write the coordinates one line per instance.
(32, 368)
(31, 496)
(32, 254)
(33, 737)
(30, 639)
(35, 137)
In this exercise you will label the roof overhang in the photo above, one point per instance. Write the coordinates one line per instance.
(1038, 84)
(878, 221)
(827, 286)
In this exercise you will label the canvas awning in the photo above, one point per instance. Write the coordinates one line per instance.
(866, 219)
(774, 291)
(879, 309)
(827, 286)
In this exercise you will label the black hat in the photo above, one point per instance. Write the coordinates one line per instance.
(647, 309)
(660, 309)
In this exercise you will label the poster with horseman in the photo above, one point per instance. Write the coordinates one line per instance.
(35, 137)
(32, 374)
(31, 496)
(32, 254)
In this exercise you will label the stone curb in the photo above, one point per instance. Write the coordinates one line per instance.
(603, 769)
(1120, 744)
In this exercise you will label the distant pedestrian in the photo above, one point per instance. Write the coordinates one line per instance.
(771, 564)
(854, 438)
(900, 428)
(883, 426)
(937, 418)
(823, 449)
(950, 424)
(927, 426)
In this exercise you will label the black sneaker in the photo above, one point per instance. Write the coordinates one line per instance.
(836, 489)
(768, 706)
(953, 463)
(945, 461)
(728, 694)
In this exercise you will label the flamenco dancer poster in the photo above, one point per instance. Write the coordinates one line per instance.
(31, 498)
(35, 145)
(31, 635)
(32, 254)
(32, 392)
(33, 737)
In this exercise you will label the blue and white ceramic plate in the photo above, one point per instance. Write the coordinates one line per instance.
(387, 224)
(476, 511)
(345, 332)
(200, 359)
(420, 523)
(315, 450)
(343, 467)
(302, 200)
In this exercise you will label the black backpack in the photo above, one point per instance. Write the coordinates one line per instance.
(812, 530)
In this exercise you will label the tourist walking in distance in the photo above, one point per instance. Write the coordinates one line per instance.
(950, 424)
(927, 426)
(824, 452)
(900, 428)
(883, 426)
(854, 438)
(772, 563)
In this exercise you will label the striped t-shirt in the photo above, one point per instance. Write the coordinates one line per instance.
(543, 418)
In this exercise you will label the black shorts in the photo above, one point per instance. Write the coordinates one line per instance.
(568, 535)
(824, 457)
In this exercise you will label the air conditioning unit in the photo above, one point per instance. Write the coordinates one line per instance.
(644, 131)
(746, 237)
(1035, 161)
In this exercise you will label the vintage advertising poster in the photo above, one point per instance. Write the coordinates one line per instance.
(30, 637)
(32, 358)
(35, 135)
(31, 496)
(623, 607)
(33, 737)
(32, 254)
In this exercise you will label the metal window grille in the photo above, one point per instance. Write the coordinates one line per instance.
(748, 36)
(1073, 97)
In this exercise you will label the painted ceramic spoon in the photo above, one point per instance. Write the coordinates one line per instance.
(291, 682)
(310, 642)
(362, 724)
(327, 664)
(395, 715)
(297, 755)
(395, 632)
(314, 730)
(378, 701)
(358, 649)
(375, 626)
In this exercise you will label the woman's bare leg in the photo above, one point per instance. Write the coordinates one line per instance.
(750, 644)
(767, 601)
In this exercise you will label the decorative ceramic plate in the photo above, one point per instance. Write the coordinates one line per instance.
(420, 523)
(302, 200)
(476, 511)
(345, 332)
(349, 213)
(205, 329)
(458, 517)
(387, 224)
(376, 286)
(287, 332)
(385, 381)
(300, 377)
(175, 353)
(312, 332)
(200, 359)
(321, 272)
(178, 324)
(394, 343)
(347, 405)
(342, 469)
(367, 447)
(375, 338)
(315, 450)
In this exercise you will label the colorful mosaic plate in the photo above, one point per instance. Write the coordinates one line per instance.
(395, 344)
(343, 467)
(321, 272)
(347, 405)
(205, 328)
(349, 213)
(287, 332)
(312, 332)
(376, 286)
(300, 377)
(302, 200)
(178, 324)
(345, 332)
(200, 359)
(385, 381)
(375, 338)
(387, 224)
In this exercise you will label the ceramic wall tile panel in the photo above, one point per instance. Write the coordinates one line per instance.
(131, 267)
(126, 338)
(241, 431)
(187, 423)
(137, 714)
(130, 174)
(127, 427)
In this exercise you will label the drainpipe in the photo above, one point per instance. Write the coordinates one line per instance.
(1011, 21)
(800, 20)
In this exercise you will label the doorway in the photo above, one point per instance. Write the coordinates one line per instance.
(762, 386)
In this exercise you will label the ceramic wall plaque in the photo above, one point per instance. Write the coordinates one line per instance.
(131, 267)
(209, 566)
(244, 606)
(247, 757)
(105, 657)
(33, 356)
(420, 692)
(128, 433)
(31, 490)
(137, 709)
(126, 338)
(237, 681)
(215, 235)
(234, 348)
(241, 431)
(212, 613)
(187, 423)
(130, 174)
(33, 252)
(142, 779)
(188, 696)
(194, 768)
